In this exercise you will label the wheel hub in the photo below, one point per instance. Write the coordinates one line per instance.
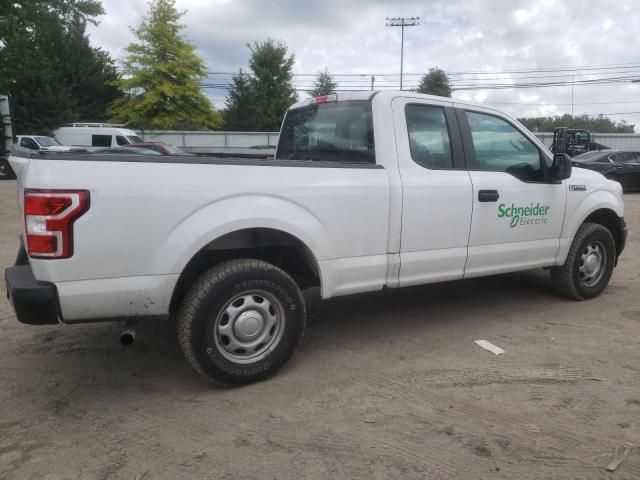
(591, 264)
(248, 325)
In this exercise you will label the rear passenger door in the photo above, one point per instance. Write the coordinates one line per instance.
(436, 191)
(517, 210)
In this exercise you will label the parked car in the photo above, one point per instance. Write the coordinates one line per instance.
(95, 135)
(125, 151)
(623, 166)
(40, 143)
(161, 148)
(403, 189)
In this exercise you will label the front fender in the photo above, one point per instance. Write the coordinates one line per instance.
(233, 213)
(577, 211)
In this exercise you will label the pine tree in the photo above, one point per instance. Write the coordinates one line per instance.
(436, 82)
(323, 85)
(271, 86)
(238, 114)
(162, 77)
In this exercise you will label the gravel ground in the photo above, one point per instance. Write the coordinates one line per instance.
(385, 385)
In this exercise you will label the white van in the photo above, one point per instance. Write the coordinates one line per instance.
(95, 135)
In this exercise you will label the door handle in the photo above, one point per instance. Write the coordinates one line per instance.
(619, 167)
(488, 196)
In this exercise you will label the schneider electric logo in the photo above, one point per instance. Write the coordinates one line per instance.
(531, 215)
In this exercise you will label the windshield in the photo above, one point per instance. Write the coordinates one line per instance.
(134, 139)
(47, 142)
(332, 131)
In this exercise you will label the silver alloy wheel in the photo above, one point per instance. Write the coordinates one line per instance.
(593, 262)
(249, 326)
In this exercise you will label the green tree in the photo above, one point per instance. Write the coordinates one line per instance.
(162, 77)
(323, 85)
(599, 124)
(38, 45)
(271, 86)
(238, 114)
(92, 75)
(436, 82)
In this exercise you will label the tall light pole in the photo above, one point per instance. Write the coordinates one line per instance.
(402, 22)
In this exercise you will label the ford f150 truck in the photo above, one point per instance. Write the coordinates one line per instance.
(366, 191)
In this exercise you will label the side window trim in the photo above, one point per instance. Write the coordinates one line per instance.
(469, 149)
(453, 129)
(440, 108)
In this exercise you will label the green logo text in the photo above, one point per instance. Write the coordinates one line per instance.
(530, 215)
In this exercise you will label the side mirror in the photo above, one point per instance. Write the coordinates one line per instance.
(561, 167)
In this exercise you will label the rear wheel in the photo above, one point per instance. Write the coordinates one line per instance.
(241, 321)
(589, 265)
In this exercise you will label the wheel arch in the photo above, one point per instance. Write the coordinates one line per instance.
(275, 246)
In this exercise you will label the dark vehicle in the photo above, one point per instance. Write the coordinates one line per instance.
(574, 141)
(160, 147)
(6, 137)
(620, 165)
(570, 141)
(126, 151)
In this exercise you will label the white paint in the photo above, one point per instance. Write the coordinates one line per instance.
(489, 346)
(366, 228)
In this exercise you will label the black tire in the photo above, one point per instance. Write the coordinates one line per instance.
(201, 319)
(572, 282)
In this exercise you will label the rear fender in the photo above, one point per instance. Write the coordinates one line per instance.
(230, 214)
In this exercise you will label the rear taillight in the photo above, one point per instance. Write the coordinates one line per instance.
(48, 219)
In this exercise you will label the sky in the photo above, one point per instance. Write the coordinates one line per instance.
(510, 42)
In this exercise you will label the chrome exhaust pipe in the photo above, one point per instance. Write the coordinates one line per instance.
(127, 336)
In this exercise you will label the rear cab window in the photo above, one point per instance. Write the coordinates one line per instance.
(330, 132)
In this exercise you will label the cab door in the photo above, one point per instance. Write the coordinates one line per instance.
(518, 211)
(436, 191)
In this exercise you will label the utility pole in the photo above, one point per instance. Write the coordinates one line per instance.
(572, 84)
(402, 22)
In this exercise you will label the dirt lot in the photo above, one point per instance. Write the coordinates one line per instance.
(384, 386)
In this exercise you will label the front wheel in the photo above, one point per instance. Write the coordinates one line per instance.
(589, 265)
(241, 321)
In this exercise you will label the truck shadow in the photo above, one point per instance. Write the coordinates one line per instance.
(90, 359)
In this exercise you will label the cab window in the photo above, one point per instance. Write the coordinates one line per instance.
(428, 136)
(499, 147)
(29, 143)
(120, 140)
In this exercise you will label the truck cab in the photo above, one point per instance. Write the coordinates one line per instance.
(40, 143)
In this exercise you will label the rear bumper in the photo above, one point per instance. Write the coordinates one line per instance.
(35, 302)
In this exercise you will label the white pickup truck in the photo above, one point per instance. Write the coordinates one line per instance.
(366, 191)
